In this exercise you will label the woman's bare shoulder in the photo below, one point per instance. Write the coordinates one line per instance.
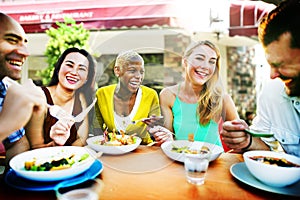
(169, 91)
(168, 95)
(226, 97)
(83, 100)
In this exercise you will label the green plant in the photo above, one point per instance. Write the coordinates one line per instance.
(67, 34)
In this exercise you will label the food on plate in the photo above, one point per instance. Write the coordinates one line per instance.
(114, 139)
(272, 175)
(186, 149)
(282, 162)
(54, 163)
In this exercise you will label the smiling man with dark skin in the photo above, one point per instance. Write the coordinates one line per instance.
(278, 108)
(17, 102)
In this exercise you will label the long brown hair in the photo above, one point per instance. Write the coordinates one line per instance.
(210, 102)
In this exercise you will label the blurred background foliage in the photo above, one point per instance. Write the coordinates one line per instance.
(67, 34)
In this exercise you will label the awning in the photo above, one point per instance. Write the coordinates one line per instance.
(245, 16)
(39, 16)
(95, 14)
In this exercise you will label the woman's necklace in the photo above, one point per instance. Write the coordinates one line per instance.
(122, 122)
(123, 97)
(123, 105)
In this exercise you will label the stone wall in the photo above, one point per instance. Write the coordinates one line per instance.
(241, 78)
(175, 46)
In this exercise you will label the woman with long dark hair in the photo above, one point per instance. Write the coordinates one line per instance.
(71, 88)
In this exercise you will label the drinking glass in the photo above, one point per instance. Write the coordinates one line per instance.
(196, 166)
(89, 190)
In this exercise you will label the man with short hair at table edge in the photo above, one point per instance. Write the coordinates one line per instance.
(278, 105)
(17, 102)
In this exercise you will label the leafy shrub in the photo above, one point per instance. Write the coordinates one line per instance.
(67, 34)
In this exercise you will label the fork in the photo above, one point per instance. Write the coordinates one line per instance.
(148, 118)
(81, 115)
(151, 143)
(59, 113)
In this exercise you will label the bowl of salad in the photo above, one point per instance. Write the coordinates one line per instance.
(113, 143)
(177, 148)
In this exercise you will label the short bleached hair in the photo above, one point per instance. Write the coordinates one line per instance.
(127, 57)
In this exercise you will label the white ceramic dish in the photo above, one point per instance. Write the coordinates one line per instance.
(17, 163)
(216, 150)
(276, 176)
(241, 172)
(93, 142)
(18, 182)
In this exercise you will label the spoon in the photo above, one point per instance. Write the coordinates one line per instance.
(258, 134)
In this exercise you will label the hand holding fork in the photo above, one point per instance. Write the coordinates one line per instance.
(150, 121)
(160, 134)
(59, 113)
(60, 131)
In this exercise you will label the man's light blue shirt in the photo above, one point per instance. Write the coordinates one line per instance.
(279, 114)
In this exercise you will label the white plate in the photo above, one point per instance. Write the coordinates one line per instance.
(93, 142)
(241, 172)
(17, 163)
(216, 150)
(18, 182)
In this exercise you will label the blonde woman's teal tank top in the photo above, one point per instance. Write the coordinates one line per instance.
(186, 121)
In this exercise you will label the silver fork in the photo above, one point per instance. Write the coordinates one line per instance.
(148, 118)
(59, 113)
(81, 115)
(55, 110)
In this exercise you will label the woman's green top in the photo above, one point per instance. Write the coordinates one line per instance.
(186, 121)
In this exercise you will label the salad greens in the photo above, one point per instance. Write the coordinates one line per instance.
(55, 164)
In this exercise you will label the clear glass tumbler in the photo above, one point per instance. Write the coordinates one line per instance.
(196, 166)
(89, 190)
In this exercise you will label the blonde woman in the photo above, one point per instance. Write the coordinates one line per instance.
(196, 105)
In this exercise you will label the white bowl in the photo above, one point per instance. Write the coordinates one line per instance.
(47, 154)
(273, 175)
(216, 150)
(94, 143)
